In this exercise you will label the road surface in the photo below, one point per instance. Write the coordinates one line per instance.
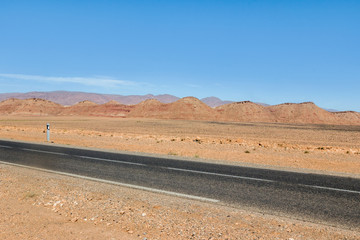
(317, 198)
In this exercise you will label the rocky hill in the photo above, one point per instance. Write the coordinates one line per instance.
(306, 112)
(186, 108)
(189, 108)
(245, 111)
(32, 106)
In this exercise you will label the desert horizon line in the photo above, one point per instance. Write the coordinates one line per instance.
(115, 102)
(109, 97)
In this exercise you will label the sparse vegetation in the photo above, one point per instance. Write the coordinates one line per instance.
(306, 152)
(30, 195)
(247, 151)
(172, 153)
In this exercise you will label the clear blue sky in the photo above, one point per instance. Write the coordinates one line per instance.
(263, 51)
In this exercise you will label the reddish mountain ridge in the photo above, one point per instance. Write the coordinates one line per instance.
(189, 108)
(245, 111)
(88, 108)
(67, 98)
(306, 112)
(186, 108)
(348, 116)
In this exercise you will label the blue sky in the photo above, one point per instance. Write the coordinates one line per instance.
(262, 51)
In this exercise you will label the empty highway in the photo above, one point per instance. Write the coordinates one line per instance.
(317, 198)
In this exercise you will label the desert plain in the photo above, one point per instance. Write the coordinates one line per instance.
(331, 148)
(85, 207)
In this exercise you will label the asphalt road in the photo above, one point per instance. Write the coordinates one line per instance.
(317, 198)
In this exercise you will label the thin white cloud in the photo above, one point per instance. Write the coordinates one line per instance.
(106, 82)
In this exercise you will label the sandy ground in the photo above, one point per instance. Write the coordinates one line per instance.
(38, 205)
(312, 147)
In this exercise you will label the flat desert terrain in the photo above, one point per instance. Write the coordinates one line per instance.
(330, 148)
(49, 206)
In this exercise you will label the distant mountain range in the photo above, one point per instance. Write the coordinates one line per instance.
(188, 108)
(71, 98)
(68, 98)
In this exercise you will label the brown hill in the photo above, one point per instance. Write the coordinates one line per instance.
(245, 111)
(85, 103)
(348, 117)
(189, 108)
(83, 108)
(151, 108)
(88, 108)
(186, 108)
(33, 106)
(112, 102)
(306, 112)
(112, 109)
